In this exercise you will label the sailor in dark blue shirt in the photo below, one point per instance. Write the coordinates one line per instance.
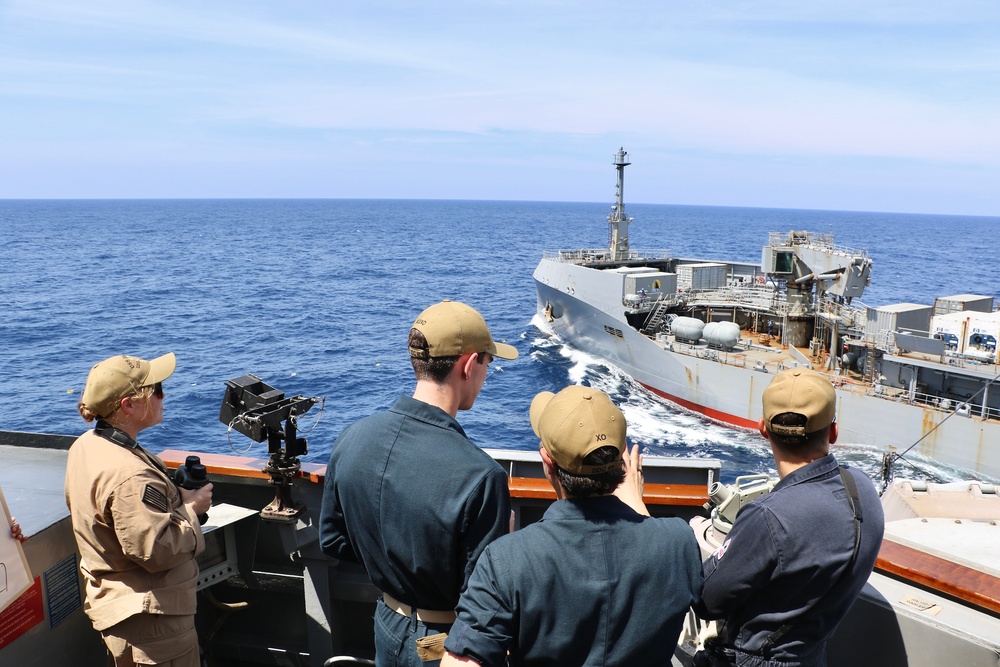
(797, 558)
(410, 497)
(597, 581)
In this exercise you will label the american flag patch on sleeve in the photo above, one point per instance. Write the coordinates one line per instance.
(155, 498)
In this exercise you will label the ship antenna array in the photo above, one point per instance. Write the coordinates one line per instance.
(889, 458)
(618, 221)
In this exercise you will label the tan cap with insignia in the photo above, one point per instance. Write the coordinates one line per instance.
(453, 329)
(574, 423)
(113, 379)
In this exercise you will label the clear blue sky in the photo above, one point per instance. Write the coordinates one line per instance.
(831, 104)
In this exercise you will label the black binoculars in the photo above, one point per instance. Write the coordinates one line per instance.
(192, 475)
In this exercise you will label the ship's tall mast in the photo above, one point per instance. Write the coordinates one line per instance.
(618, 221)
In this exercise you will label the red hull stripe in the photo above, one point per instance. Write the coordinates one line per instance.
(718, 415)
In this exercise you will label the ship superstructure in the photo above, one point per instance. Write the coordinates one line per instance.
(708, 335)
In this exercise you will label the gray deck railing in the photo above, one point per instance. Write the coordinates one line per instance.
(759, 297)
(855, 316)
(603, 255)
(960, 407)
(816, 239)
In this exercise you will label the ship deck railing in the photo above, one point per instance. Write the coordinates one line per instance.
(745, 355)
(599, 256)
(956, 360)
(886, 342)
(751, 297)
(959, 406)
(637, 303)
(817, 239)
(851, 315)
(755, 297)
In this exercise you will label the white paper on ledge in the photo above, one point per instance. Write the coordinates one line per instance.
(15, 576)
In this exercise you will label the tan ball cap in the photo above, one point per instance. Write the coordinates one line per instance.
(804, 392)
(113, 379)
(453, 329)
(575, 422)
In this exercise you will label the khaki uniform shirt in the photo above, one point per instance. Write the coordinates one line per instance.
(137, 539)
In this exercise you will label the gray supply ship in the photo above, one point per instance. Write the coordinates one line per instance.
(708, 335)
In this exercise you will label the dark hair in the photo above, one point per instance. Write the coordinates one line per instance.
(582, 486)
(435, 369)
(814, 442)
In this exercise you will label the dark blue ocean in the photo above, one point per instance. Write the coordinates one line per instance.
(316, 297)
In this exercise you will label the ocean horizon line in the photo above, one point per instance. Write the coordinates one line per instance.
(483, 201)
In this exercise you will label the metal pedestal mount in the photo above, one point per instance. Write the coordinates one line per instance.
(257, 410)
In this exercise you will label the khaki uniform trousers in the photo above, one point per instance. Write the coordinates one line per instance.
(154, 639)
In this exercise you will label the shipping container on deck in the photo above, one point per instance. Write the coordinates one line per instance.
(963, 302)
(701, 276)
(652, 283)
(913, 317)
(950, 328)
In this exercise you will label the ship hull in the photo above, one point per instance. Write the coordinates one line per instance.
(583, 306)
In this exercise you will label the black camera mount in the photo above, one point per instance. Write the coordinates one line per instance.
(257, 410)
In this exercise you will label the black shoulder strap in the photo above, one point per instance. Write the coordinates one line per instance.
(855, 502)
(123, 439)
(115, 435)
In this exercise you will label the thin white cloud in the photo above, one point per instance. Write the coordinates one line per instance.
(904, 81)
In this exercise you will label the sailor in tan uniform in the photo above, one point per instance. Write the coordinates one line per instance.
(137, 532)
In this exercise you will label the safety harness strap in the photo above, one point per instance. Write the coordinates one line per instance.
(855, 502)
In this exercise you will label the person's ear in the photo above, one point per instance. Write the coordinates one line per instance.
(549, 468)
(546, 459)
(762, 427)
(467, 363)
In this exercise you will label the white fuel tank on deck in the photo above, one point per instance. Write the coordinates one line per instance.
(722, 334)
(687, 328)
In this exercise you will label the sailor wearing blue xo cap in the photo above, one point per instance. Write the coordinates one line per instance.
(796, 558)
(597, 581)
(411, 498)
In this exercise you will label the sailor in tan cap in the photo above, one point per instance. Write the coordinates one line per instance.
(796, 558)
(597, 581)
(137, 532)
(410, 497)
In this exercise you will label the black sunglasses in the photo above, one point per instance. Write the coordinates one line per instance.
(158, 390)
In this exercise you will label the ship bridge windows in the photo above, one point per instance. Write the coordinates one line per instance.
(777, 261)
(783, 261)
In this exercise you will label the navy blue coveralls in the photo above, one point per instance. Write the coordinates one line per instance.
(782, 565)
(413, 500)
(592, 583)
